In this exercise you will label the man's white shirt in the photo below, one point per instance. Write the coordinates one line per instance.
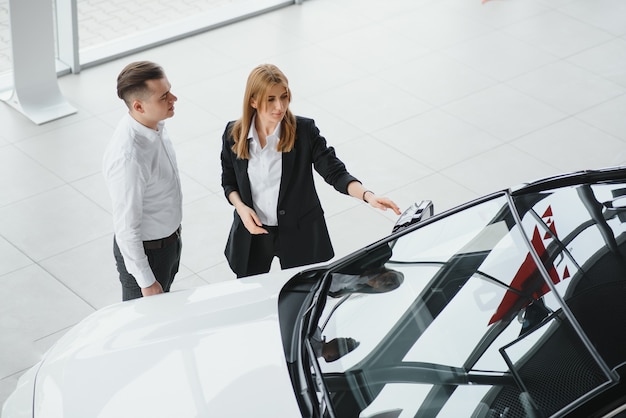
(141, 173)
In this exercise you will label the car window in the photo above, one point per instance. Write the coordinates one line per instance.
(581, 233)
(464, 325)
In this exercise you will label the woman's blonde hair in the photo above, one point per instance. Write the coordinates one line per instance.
(260, 81)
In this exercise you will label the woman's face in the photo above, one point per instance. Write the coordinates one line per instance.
(273, 109)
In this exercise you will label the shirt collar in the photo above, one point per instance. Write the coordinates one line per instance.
(253, 136)
(144, 130)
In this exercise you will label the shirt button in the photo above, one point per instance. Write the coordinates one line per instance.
(281, 212)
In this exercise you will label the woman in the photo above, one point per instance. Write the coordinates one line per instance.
(268, 157)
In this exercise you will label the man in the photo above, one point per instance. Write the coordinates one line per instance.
(141, 174)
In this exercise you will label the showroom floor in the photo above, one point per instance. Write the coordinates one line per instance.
(444, 100)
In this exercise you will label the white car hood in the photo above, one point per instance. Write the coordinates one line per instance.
(214, 351)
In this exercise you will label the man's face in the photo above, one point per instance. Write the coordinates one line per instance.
(158, 105)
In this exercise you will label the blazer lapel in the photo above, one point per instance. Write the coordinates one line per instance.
(241, 167)
(289, 159)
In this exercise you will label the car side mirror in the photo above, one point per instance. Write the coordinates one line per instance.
(417, 212)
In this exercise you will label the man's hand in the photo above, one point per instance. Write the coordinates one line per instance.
(154, 289)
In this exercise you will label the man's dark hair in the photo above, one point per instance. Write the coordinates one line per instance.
(131, 82)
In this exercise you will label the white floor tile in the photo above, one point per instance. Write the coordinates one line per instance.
(378, 11)
(581, 141)
(239, 41)
(33, 315)
(607, 60)
(22, 177)
(191, 121)
(71, 152)
(496, 13)
(555, 4)
(93, 90)
(192, 189)
(16, 126)
(199, 159)
(499, 55)
(437, 139)
(435, 28)
(498, 169)
(371, 103)
(374, 48)
(332, 126)
(437, 79)
(380, 167)
(11, 258)
(201, 62)
(89, 270)
(504, 112)
(305, 80)
(306, 20)
(221, 96)
(189, 282)
(206, 223)
(218, 273)
(608, 15)
(94, 188)
(53, 222)
(113, 116)
(608, 117)
(567, 87)
(558, 34)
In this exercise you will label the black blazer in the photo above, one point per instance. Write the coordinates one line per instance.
(302, 228)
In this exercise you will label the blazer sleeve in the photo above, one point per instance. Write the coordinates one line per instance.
(325, 161)
(228, 156)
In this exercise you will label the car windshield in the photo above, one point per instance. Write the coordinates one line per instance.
(489, 311)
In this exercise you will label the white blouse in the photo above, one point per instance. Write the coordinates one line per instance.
(265, 170)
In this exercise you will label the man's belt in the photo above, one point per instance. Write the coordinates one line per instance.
(163, 242)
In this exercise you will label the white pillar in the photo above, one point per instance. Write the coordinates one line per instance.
(36, 91)
(67, 34)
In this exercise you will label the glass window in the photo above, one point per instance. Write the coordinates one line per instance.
(455, 317)
(6, 55)
(96, 31)
(580, 233)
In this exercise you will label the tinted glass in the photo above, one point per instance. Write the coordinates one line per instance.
(580, 234)
(455, 319)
